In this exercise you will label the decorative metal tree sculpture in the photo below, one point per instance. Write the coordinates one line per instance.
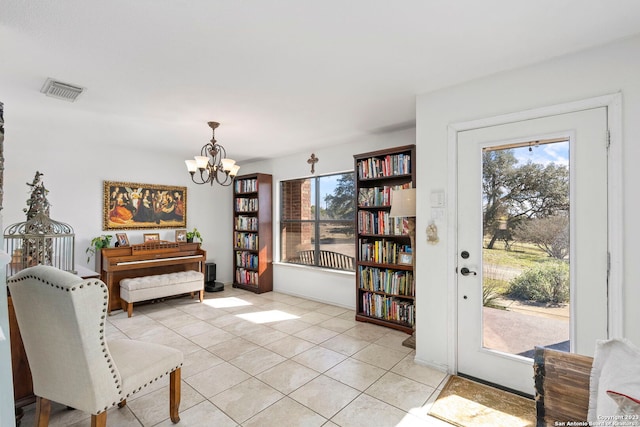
(38, 201)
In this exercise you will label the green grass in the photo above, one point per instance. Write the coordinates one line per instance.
(521, 256)
(496, 286)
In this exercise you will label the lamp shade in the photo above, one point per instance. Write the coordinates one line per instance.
(201, 161)
(227, 164)
(403, 203)
(234, 170)
(191, 165)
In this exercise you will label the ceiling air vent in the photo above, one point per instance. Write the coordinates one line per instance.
(59, 90)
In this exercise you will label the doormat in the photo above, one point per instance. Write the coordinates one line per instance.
(466, 403)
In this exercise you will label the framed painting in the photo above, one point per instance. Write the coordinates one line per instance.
(134, 206)
(181, 236)
(122, 239)
(405, 258)
(151, 237)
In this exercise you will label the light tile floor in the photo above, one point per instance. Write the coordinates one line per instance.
(271, 360)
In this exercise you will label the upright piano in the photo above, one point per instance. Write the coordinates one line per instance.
(147, 259)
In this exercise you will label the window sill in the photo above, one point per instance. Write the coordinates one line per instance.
(315, 269)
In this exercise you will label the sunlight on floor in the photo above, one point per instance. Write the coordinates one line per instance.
(226, 302)
(267, 316)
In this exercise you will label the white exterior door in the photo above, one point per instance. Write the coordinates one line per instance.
(495, 341)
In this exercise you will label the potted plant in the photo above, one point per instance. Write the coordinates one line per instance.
(96, 245)
(195, 234)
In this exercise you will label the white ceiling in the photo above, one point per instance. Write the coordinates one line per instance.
(282, 76)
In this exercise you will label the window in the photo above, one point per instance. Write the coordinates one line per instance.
(317, 221)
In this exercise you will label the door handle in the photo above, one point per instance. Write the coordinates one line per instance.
(465, 271)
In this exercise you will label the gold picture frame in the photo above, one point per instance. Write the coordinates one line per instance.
(151, 237)
(134, 206)
(405, 258)
(181, 236)
(122, 239)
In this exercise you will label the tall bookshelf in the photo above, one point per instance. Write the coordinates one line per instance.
(385, 288)
(252, 233)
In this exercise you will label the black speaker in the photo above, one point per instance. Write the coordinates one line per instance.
(210, 284)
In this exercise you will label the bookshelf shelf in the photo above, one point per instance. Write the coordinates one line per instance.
(252, 233)
(385, 289)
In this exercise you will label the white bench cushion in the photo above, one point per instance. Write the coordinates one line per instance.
(161, 285)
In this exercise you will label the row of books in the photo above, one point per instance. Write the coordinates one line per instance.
(247, 223)
(246, 205)
(380, 251)
(246, 186)
(245, 277)
(388, 308)
(389, 165)
(381, 223)
(246, 259)
(379, 196)
(245, 240)
(386, 280)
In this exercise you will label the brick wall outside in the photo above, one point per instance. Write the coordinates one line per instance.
(296, 204)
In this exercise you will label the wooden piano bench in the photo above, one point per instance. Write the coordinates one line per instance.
(146, 288)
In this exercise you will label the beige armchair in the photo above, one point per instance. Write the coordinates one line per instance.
(62, 322)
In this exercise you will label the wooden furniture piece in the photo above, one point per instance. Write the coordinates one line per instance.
(147, 259)
(86, 273)
(22, 382)
(252, 233)
(71, 361)
(561, 386)
(385, 288)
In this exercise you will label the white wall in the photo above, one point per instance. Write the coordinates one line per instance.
(592, 73)
(75, 164)
(321, 285)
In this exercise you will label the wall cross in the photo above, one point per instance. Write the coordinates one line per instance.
(312, 161)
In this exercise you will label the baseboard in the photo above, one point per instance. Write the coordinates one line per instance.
(430, 364)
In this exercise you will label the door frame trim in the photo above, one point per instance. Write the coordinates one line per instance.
(613, 103)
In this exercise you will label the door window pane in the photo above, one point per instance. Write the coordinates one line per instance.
(526, 247)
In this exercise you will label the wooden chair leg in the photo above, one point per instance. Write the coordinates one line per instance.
(201, 295)
(129, 309)
(174, 395)
(43, 410)
(99, 420)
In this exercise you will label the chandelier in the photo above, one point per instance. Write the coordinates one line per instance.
(212, 163)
